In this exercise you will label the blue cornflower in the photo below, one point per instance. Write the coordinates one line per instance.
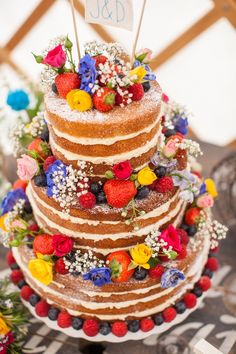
(171, 278)
(11, 198)
(149, 76)
(181, 124)
(88, 73)
(56, 169)
(99, 276)
(18, 100)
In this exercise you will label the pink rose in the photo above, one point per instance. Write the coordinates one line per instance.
(62, 245)
(122, 170)
(171, 236)
(170, 149)
(144, 55)
(205, 201)
(165, 98)
(55, 57)
(27, 167)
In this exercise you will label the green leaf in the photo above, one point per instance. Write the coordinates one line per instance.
(133, 177)
(25, 140)
(109, 174)
(153, 262)
(172, 254)
(38, 58)
(132, 265)
(33, 154)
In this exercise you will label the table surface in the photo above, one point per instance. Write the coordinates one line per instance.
(212, 321)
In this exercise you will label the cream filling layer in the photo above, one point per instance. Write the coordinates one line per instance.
(113, 159)
(102, 141)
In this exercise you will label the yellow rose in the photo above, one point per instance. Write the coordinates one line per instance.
(141, 255)
(4, 329)
(211, 187)
(79, 100)
(146, 176)
(3, 226)
(41, 270)
(136, 75)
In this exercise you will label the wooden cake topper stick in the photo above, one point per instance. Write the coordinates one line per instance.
(75, 27)
(138, 31)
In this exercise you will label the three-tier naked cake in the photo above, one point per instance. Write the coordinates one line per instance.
(110, 223)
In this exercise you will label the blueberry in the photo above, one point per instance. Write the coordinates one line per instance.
(45, 134)
(140, 273)
(53, 313)
(40, 180)
(184, 227)
(158, 319)
(101, 198)
(27, 208)
(169, 132)
(75, 273)
(180, 307)
(197, 291)
(133, 326)
(21, 283)
(105, 328)
(192, 230)
(208, 272)
(34, 299)
(160, 171)
(142, 193)
(14, 266)
(30, 240)
(95, 188)
(77, 323)
(54, 88)
(146, 86)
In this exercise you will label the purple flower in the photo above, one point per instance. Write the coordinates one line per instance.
(88, 73)
(181, 125)
(99, 276)
(171, 278)
(149, 76)
(59, 169)
(11, 198)
(159, 160)
(183, 179)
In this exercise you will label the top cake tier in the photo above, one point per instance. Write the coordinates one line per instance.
(102, 139)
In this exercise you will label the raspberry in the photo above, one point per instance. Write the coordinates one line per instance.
(169, 314)
(190, 300)
(192, 216)
(66, 82)
(91, 327)
(87, 200)
(146, 324)
(156, 272)
(16, 276)
(42, 308)
(48, 162)
(137, 92)
(43, 244)
(183, 236)
(60, 267)
(100, 59)
(26, 292)
(119, 328)
(204, 283)
(212, 264)
(20, 184)
(164, 184)
(34, 228)
(10, 259)
(64, 319)
(183, 253)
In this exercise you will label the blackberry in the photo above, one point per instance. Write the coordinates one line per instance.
(180, 307)
(160, 171)
(192, 230)
(133, 326)
(101, 198)
(40, 180)
(21, 283)
(105, 328)
(34, 299)
(158, 319)
(146, 86)
(53, 313)
(169, 132)
(77, 323)
(95, 188)
(140, 273)
(45, 134)
(27, 208)
(197, 291)
(142, 193)
(54, 88)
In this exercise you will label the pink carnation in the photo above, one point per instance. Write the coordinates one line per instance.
(205, 201)
(122, 170)
(62, 245)
(171, 237)
(27, 167)
(55, 57)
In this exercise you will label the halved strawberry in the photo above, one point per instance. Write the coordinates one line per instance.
(67, 82)
(119, 262)
(40, 147)
(119, 192)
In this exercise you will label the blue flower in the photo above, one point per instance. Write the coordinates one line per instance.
(59, 169)
(171, 278)
(88, 73)
(99, 276)
(11, 198)
(202, 189)
(181, 124)
(149, 76)
(18, 100)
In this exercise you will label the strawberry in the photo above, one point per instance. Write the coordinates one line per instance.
(91, 327)
(156, 272)
(43, 244)
(137, 92)
(48, 162)
(146, 324)
(104, 99)
(100, 59)
(119, 192)
(119, 262)
(20, 184)
(42, 308)
(60, 267)
(192, 216)
(64, 319)
(39, 147)
(66, 82)
(119, 328)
